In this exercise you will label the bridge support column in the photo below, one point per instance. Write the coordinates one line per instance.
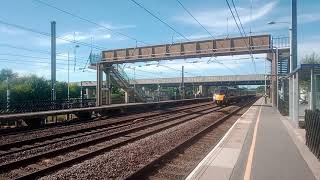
(99, 85)
(294, 98)
(126, 97)
(89, 92)
(273, 78)
(203, 90)
(108, 85)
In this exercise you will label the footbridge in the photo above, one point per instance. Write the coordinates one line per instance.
(256, 79)
(258, 44)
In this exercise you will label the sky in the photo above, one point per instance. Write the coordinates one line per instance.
(26, 51)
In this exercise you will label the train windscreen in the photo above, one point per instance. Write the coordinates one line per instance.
(221, 91)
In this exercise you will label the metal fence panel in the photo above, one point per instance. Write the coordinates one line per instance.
(312, 122)
(45, 105)
(317, 100)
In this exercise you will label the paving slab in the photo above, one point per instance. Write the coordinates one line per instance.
(275, 154)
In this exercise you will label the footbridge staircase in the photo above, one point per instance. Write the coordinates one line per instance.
(120, 79)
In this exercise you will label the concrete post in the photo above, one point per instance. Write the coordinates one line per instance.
(53, 60)
(295, 98)
(8, 95)
(312, 92)
(126, 97)
(203, 90)
(81, 94)
(108, 85)
(291, 97)
(87, 93)
(182, 84)
(99, 85)
(273, 78)
(159, 92)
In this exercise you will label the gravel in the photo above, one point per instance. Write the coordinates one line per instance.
(5, 139)
(120, 162)
(72, 141)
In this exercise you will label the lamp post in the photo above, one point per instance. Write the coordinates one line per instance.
(290, 39)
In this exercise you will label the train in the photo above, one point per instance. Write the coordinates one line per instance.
(228, 95)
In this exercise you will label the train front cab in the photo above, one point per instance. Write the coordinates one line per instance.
(219, 97)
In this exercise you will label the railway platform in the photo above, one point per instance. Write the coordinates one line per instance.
(261, 145)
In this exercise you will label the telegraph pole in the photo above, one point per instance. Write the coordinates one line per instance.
(81, 94)
(134, 84)
(68, 77)
(294, 53)
(8, 94)
(53, 60)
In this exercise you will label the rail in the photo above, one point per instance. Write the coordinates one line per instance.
(95, 109)
(165, 156)
(145, 129)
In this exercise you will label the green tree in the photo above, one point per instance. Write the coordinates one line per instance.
(3, 88)
(260, 89)
(74, 91)
(30, 88)
(4, 73)
(61, 90)
(311, 59)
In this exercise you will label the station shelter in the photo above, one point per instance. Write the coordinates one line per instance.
(299, 91)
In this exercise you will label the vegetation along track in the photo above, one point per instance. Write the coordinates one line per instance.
(33, 165)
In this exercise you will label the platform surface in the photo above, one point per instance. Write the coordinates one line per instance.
(257, 147)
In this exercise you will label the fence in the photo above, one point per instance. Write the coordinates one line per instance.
(44, 105)
(312, 124)
(281, 41)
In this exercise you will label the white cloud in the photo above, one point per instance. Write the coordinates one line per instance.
(116, 27)
(64, 56)
(10, 31)
(308, 18)
(305, 48)
(217, 18)
(68, 37)
(302, 18)
(82, 36)
(200, 66)
(98, 34)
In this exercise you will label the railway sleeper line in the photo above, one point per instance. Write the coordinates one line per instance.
(88, 134)
(133, 137)
(116, 121)
(29, 147)
(92, 132)
(162, 158)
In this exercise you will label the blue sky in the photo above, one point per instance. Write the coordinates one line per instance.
(124, 16)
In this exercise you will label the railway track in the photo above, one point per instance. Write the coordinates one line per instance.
(35, 136)
(48, 161)
(119, 163)
(180, 160)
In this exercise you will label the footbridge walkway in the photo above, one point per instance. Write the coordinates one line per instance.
(256, 79)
